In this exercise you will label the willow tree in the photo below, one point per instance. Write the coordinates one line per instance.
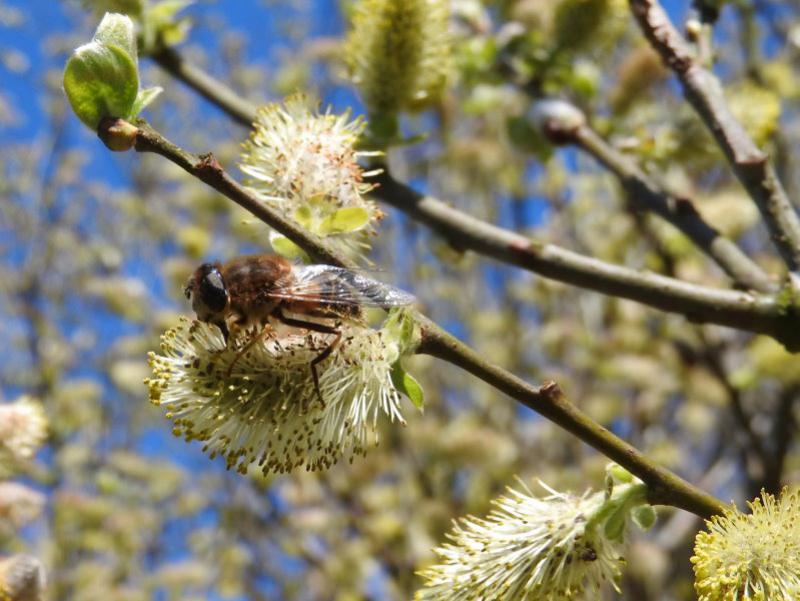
(593, 204)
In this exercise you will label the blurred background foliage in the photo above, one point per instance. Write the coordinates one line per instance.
(95, 249)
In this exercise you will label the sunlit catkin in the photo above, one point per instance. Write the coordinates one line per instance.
(532, 548)
(257, 405)
(304, 164)
(751, 557)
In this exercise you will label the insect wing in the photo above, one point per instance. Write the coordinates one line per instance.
(334, 285)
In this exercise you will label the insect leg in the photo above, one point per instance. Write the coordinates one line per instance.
(246, 348)
(326, 352)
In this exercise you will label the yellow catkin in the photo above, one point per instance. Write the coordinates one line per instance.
(751, 557)
(398, 53)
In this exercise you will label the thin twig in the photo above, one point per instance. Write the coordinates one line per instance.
(754, 70)
(680, 211)
(753, 446)
(744, 311)
(783, 427)
(664, 486)
(749, 163)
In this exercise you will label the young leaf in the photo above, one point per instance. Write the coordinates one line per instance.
(117, 30)
(644, 516)
(348, 219)
(619, 473)
(101, 81)
(160, 24)
(406, 384)
(402, 328)
(166, 10)
(615, 525)
(303, 216)
(285, 247)
(144, 98)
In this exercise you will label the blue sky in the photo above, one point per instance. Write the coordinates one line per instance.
(43, 18)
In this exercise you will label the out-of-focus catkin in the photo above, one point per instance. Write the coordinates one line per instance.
(399, 53)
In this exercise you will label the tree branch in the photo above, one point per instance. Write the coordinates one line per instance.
(679, 211)
(664, 486)
(755, 313)
(552, 261)
(750, 164)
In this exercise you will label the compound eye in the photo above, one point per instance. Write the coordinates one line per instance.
(187, 292)
(212, 291)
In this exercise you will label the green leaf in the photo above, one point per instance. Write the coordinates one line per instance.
(407, 331)
(615, 525)
(348, 219)
(644, 516)
(117, 30)
(144, 98)
(175, 33)
(101, 81)
(405, 383)
(619, 473)
(160, 25)
(401, 327)
(285, 247)
(303, 216)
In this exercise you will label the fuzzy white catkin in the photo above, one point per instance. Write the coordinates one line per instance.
(261, 409)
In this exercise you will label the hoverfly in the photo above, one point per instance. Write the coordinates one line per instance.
(256, 289)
